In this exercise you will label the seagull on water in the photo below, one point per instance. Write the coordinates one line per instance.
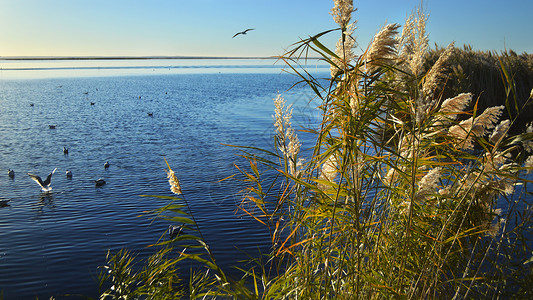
(243, 32)
(11, 173)
(99, 182)
(45, 185)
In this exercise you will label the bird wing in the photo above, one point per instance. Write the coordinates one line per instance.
(49, 178)
(37, 179)
(243, 32)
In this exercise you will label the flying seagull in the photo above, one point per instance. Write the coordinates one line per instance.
(45, 185)
(243, 32)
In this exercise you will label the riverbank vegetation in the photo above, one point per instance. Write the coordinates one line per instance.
(416, 186)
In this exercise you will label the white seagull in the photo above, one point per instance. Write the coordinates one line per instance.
(45, 185)
(243, 32)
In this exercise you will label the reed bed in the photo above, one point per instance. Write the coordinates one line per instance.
(416, 187)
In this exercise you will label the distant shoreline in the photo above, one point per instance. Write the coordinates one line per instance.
(124, 57)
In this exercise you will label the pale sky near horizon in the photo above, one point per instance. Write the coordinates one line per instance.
(206, 27)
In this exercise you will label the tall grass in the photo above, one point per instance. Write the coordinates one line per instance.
(408, 193)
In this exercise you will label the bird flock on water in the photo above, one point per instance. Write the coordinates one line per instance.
(46, 183)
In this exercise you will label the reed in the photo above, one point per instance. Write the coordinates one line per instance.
(412, 190)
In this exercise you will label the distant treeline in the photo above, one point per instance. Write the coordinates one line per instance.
(481, 73)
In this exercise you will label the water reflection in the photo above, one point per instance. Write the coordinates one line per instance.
(45, 201)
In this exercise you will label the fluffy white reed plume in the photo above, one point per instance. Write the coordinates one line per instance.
(528, 164)
(465, 132)
(382, 50)
(500, 132)
(175, 186)
(354, 100)
(288, 142)
(342, 12)
(428, 184)
(435, 74)
(328, 171)
(343, 50)
(528, 144)
(451, 107)
(496, 161)
(455, 104)
(413, 43)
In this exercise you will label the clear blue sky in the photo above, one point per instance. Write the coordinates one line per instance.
(205, 27)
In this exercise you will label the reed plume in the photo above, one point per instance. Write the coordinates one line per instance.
(413, 42)
(175, 186)
(287, 139)
(382, 50)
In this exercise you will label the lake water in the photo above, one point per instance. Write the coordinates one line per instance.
(51, 245)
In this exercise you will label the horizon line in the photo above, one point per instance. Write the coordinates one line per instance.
(134, 57)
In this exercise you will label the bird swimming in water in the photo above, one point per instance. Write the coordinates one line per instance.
(45, 185)
(4, 203)
(106, 165)
(150, 114)
(52, 126)
(65, 150)
(10, 173)
(174, 231)
(69, 174)
(99, 182)
(243, 32)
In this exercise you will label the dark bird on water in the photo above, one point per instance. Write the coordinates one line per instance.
(52, 126)
(106, 165)
(45, 185)
(99, 182)
(11, 173)
(65, 150)
(243, 32)
(69, 174)
(4, 203)
(174, 231)
(150, 114)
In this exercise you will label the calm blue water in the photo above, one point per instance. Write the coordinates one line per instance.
(52, 244)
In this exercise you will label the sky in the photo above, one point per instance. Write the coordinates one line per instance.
(206, 27)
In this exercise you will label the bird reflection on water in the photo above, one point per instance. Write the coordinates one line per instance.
(44, 202)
